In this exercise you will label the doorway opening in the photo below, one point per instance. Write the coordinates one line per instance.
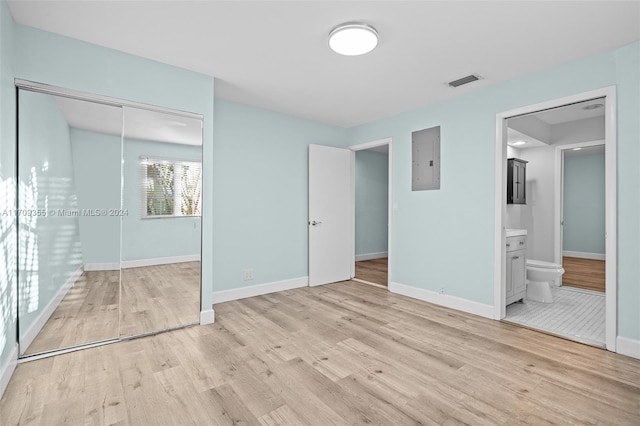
(371, 199)
(563, 219)
(581, 240)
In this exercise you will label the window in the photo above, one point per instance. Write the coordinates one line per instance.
(170, 188)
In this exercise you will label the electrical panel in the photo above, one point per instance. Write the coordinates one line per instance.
(425, 159)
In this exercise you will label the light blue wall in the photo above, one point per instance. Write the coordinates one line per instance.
(155, 238)
(627, 64)
(261, 192)
(584, 207)
(8, 249)
(99, 187)
(49, 245)
(96, 163)
(429, 227)
(65, 62)
(372, 201)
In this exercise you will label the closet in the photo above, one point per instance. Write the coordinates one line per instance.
(109, 197)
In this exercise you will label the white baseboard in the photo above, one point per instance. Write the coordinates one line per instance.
(207, 317)
(628, 347)
(445, 300)
(6, 371)
(259, 289)
(48, 310)
(582, 255)
(89, 267)
(125, 264)
(160, 261)
(371, 256)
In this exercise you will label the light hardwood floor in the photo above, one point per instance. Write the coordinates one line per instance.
(87, 313)
(152, 298)
(588, 274)
(375, 271)
(339, 354)
(159, 297)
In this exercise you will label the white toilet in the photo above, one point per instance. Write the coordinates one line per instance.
(540, 277)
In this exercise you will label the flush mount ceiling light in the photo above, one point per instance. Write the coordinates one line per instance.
(353, 39)
(516, 143)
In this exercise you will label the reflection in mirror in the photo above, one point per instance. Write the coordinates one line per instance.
(162, 181)
(69, 155)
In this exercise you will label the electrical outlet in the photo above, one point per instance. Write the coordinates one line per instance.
(248, 274)
(441, 290)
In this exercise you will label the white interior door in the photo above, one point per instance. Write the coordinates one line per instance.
(330, 214)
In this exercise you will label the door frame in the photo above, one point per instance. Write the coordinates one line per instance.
(558, 205)
(609, 93)
(361, 147)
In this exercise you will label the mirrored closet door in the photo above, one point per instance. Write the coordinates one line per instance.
(162, 181)
(69, 156)
(109, 232)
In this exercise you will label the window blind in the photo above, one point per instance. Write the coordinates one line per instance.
(170, 188)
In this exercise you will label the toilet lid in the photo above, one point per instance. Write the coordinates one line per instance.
(542, 264)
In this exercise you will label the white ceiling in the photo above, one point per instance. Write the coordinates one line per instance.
(274, 55)
(536, 129)
(515, 136)
(590, 150)
(138, 123)
(573, 112)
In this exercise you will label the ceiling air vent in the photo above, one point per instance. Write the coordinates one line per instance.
(464, 80)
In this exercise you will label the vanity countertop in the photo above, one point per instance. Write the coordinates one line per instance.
(516, 232)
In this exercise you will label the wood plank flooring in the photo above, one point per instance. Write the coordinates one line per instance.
(375, 271)
(159, 297)
(87, 313)
(339, 354)
(96, 307)
(588, 274)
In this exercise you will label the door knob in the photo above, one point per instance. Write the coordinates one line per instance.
(314, 223)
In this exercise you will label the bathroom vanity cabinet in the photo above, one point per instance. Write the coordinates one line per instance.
(516, 283)
(516, 179)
